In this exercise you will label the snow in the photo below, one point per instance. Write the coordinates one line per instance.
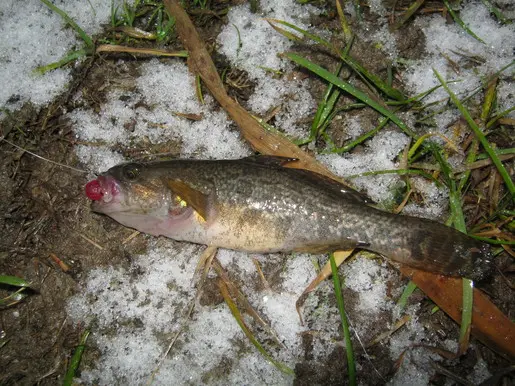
(135, 311)
(256, 48)
(450, 40)
(34, 36)
(379, 154)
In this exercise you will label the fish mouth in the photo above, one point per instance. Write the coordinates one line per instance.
(103, 191)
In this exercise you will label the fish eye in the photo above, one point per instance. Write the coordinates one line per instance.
(131, 172)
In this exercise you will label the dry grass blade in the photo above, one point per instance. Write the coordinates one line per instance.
(401, 322)
(449, 374)
(94, 243)
(408, 14)
(204, 264)
(131, 237)
(340, 257)
(266, 285)
(40, 157)
(139, 51)
(64, 267)
(240, 297)
(237, 315)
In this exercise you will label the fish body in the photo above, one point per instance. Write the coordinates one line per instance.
(256, 204)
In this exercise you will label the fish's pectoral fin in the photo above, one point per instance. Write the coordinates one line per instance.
(339, 258)
(269, 160)
(193, 197)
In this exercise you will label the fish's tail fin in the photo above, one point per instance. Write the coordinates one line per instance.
(431, 246)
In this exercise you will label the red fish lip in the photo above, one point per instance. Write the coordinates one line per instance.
(104, 189)
(94, 190)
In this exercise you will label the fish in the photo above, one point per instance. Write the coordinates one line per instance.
(257, 204)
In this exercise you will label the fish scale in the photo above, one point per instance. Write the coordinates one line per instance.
(256, 204)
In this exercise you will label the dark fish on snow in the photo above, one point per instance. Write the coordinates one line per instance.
(256, 204)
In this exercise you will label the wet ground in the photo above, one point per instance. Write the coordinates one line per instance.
(45, 215)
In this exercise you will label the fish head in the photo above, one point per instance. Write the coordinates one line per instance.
(127, 188)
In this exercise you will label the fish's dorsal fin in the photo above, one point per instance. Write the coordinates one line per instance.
(333, 186)
(316, 178)
(193, 197)
(269, 160)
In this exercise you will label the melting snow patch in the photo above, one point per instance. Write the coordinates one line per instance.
(435, 200)
(37, 36)
(368, 278)
(379, 154)
(250, 43)
(452, 41)
(98, 159)
(136, 312)
(163, 90)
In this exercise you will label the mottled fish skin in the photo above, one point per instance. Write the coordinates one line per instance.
(257, 205)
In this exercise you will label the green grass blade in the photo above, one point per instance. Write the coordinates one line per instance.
(460, 22)
(351, 364)
(323, 73)
(14, 281)
(114, 11)
(357, 9)
(237, 315)
(480, 136)
(454, 195)
(498, 116)
(64, 61)
(408, 14)
(361, 138)
(164, 30)
(325, 107)
(496, 11)
(313, 37)
(377, 81)
(16, 296)
(351, 62)
(285, 33)
(400, 172)
(471, 156)
(490, 99)
(418, 97)
(84, 36)
(330, 99)
(408, 290)
(198, 89)
(493, 241)
(13, 298)
(75, 361)
(505, 151)
(347, 33)
(466, 314)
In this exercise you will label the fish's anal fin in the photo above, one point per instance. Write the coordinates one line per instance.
(269, 160)
(347, 244)
(191, 196)
(339, 258)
